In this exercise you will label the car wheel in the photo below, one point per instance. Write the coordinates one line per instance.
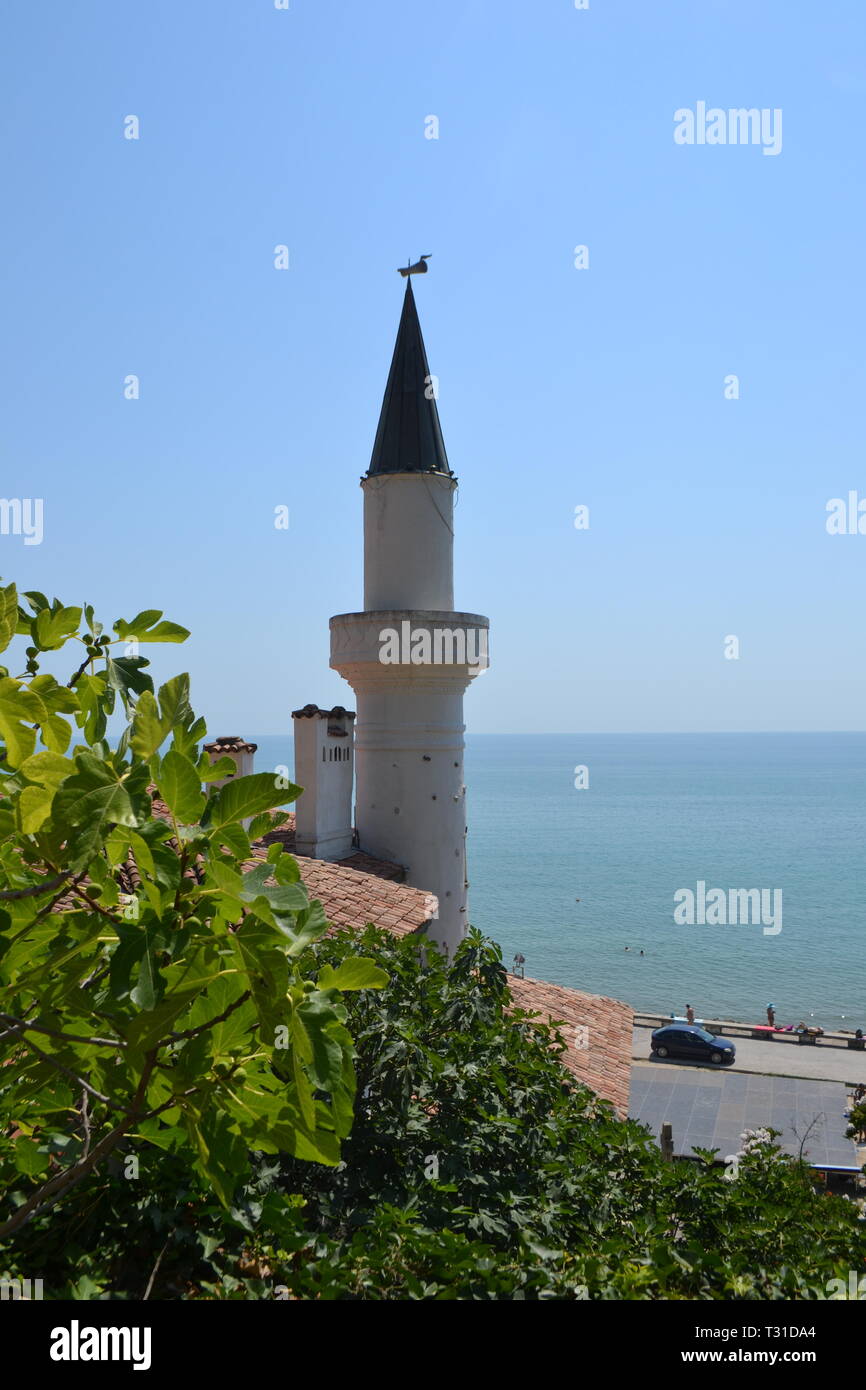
(715, 1057)
(661, 1052)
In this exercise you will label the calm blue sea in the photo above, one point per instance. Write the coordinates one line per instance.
(662, 811)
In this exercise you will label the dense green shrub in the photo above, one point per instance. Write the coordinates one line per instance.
(541, 1192)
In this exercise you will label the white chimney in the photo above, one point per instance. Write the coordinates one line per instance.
(324, 767)
(240, 752)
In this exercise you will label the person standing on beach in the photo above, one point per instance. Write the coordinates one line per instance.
(690, 1014)
(771, 1015)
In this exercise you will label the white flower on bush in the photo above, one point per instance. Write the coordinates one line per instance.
(752, 1141)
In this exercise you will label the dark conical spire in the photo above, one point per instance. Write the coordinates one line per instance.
(409, 437)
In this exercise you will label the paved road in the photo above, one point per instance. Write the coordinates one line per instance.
(776, 1059)
(711, 1107)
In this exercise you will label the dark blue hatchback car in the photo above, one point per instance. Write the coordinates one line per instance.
(688, 1040)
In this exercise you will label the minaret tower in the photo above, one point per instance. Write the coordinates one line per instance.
(409, 657)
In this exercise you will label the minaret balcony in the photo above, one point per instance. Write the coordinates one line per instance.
(421, 650)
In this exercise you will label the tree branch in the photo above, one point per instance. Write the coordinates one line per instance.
(43, 912)
(73, 1076)
(172, 1102)
(15, 1025)
(85, 1122)
(212, 1022)
(50, 1191)
(153, 1272)
(88, 661)
(36, 889)
(97, 907)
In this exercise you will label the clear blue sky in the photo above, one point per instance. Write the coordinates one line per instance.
(557, 386)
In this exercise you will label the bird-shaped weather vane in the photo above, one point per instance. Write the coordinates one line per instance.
(419, 268)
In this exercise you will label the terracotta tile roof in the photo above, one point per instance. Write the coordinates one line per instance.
(597, 1031)
(358, 861)
(230, 743)
(358, 889)
(352, 897)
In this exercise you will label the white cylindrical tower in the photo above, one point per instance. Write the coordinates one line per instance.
(409, 657)
(409, 540)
